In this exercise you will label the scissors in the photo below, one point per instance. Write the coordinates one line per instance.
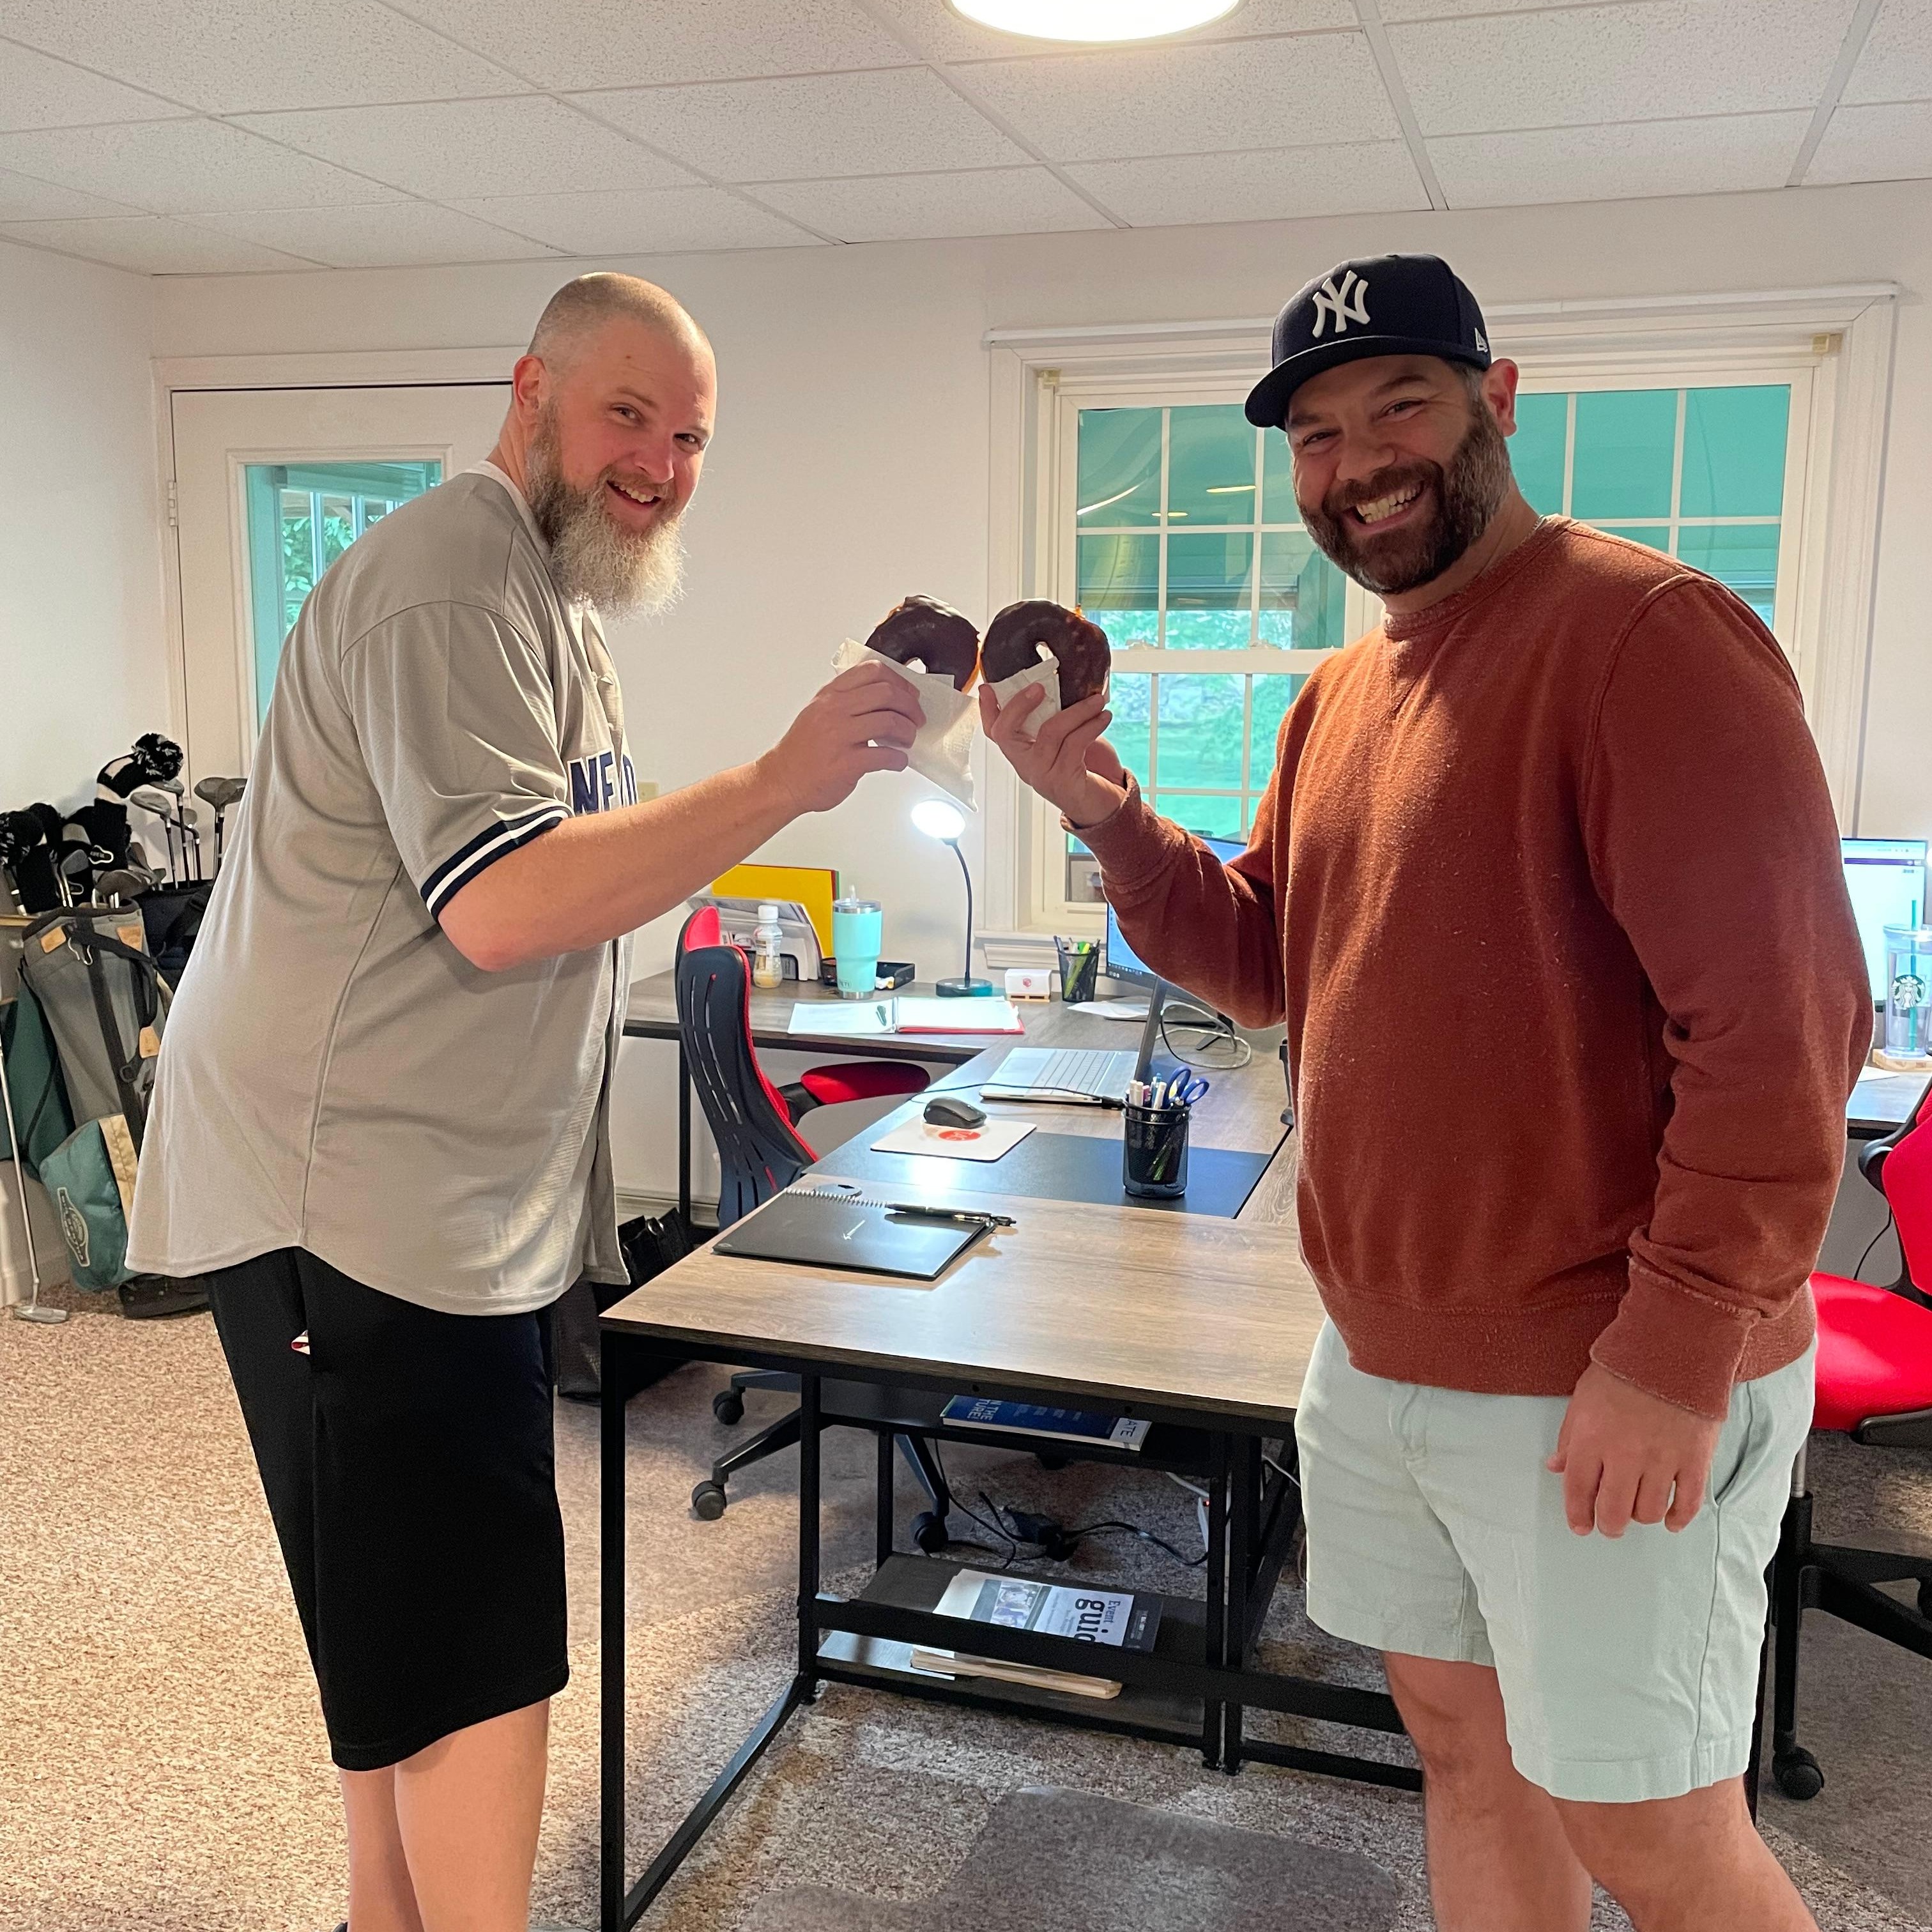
(1188, 1088)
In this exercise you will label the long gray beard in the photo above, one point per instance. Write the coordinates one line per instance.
(621, 573)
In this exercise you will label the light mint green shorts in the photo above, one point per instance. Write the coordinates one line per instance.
(1628, 1666)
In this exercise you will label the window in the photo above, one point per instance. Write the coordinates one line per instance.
(1700, 473)
(1186, 546)
(302, 516)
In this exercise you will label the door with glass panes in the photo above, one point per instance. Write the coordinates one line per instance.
(272, 486)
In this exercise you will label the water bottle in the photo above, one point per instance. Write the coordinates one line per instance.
(767, 968)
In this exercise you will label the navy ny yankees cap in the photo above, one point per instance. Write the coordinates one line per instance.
(1380, 305)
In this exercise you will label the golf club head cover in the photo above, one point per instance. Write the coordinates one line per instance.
(105, 824)
(26, 853)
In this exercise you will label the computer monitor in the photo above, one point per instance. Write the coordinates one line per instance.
(1886, 878)
(1122, 962)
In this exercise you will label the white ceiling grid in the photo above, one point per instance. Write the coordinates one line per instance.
(212, 136)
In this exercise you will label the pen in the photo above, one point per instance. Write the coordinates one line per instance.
(958, 1216)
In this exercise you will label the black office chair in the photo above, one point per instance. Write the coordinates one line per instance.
(761, 1151)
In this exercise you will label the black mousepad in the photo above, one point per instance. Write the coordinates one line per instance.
(1062, 1167)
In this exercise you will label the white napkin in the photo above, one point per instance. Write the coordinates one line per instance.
(1046, 675)
(952, 717)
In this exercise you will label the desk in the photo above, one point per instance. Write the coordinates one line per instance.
(1881, 1103)
(1203, 1326)
(1246, 1107)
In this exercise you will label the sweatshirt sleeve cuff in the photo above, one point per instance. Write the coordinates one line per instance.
(1133, 843)
(1680, 1346)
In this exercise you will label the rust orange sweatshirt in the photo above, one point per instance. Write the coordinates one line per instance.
(1547, 886)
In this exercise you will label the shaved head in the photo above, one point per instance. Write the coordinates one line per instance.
(580, 310)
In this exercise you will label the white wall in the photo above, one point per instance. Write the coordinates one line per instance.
(82, 648)
(851, 464)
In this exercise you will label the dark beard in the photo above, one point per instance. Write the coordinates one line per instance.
(1467, 493)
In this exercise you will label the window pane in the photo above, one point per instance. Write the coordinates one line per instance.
(1745, 556)
(1272, 696)
(1210, 464)
(1278, 503)
(1301, 594)
(1734, 452)
(1207, 591)
(338, 527)
(1626, 439)
(1656, 535)
(1536, 450)
(1200, 738)
(1213, 817)
(1120, 467)
(1120, 587)
(1130, 697)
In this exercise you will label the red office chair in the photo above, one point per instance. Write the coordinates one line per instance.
(1875, 1385)
(760, 1151)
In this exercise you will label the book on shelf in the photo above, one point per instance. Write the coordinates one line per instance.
(1060, 1425)
(1115, 1618)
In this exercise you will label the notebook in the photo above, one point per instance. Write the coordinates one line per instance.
(840, 1231)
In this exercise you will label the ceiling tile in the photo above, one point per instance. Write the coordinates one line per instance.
(37, 91)
(1891, 143)
(902, 120)
(1897, 62)
(672, 220)
(239, 56)
(150, 243)
(1659, 60)
(582, 44)
(1358, 178)
(182, 167)
(386, 235)
(1195, 99)
(449, 149)
(1627, 162)
(905, 208)
(1439, 10)
(22, 198)
(942, 34)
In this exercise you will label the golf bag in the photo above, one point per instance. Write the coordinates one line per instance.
(40, 1109)
(105, 1004)
(172, 916)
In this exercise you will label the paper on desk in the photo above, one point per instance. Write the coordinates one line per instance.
(856, 1019)
(945, 740)
(982, 1143)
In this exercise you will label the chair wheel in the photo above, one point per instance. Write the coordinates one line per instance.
(728, 1406)
(1797, 1773)
(1925, 1598)
(1049, 1462)
(707, 1501)
(929, 1531)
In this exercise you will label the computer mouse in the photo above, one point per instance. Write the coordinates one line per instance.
(948, 1110)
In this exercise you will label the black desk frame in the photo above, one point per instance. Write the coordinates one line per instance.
(1249, 1522)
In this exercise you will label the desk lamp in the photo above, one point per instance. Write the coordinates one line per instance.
(938, 820)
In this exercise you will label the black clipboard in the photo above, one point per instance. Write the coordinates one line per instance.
(836, 1231)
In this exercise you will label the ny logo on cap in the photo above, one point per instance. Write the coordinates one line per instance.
(1347, 304)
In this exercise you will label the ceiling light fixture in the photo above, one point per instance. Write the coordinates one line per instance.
(1094, 20)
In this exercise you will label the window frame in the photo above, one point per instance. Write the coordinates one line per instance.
(1833, 346)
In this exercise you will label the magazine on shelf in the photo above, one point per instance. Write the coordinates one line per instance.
(1061, 1425)
(1116, 1618)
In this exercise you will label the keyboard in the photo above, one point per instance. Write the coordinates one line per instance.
(1090, 1074)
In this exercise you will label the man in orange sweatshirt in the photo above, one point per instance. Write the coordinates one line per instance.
(1546, 888)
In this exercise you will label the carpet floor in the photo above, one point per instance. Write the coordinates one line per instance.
(163, 1762)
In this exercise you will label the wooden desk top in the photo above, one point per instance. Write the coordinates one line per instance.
(1117, 1305)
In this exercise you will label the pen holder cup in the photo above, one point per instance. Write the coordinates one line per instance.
(1077, 973)
(1153, 1160)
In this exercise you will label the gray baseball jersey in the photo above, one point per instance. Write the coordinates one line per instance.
(336, 1076)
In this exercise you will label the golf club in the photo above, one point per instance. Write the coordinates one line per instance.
(218, 794)
(31, 1311)
(149, 798)
(185, 817)
(75, 866)
(123, 884)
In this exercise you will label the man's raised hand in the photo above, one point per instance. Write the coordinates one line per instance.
(1069, 764)
(864, 721)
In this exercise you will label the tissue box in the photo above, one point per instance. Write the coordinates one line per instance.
(1029, 982)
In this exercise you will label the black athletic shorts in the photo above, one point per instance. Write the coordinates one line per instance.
(408, 1463)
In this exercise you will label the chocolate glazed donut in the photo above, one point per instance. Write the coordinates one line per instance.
(1081, 648)
(944, 640)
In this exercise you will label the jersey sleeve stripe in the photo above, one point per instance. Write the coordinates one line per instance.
(483, 851)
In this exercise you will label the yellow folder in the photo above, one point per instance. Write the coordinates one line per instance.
(814, 887)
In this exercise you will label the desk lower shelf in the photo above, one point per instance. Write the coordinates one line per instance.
(918, 1582)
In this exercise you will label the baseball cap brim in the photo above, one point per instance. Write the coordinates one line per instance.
(1268, 401)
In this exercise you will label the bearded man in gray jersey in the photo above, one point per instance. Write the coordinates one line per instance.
(380, 1124)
